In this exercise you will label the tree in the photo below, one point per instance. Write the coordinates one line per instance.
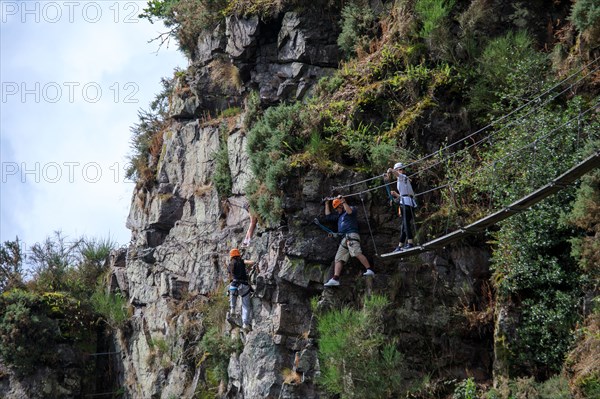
(52, 259)
(11, 265)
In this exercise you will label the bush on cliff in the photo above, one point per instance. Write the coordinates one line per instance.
(357, 360)
(54, 307)
(271, 141)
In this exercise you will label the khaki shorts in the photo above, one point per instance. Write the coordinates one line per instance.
(350, 246)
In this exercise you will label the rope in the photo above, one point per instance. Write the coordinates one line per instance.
(535, 100)
(514, 111)
(524, 147)
(369, 224)
(334, 188)
(507, 156)
(476, 143)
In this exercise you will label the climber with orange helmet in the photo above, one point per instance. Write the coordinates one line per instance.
(350, 245)
(239, 286)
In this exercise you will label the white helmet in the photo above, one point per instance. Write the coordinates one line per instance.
(399, 165)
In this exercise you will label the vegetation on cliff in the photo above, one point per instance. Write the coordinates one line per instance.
(418, 76)
(53, 295)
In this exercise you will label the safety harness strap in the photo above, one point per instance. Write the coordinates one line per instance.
(326, 229)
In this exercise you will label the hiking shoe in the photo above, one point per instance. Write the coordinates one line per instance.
(407, 246)
(398, 249)
(233, 320)
(332, 283)
(369, 272)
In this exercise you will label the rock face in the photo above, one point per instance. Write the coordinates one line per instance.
(182, 232)
(281, 59)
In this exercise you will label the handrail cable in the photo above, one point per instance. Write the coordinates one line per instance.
(369, 225)
(513, 111)
(502, 128)
(484, 166)
(487, 126)
(532, 143)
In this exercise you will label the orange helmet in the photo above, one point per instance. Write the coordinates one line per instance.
(234, 252)
(336, 202)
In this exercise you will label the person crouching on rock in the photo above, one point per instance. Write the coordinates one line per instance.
(350, 244)
(240, 286)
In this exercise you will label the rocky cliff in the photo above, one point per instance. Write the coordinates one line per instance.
(285, 103)
(182, 231)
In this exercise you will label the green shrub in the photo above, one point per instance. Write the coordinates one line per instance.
(590, 386)
(111, 306)
(509, 71)
(147, 137)
(11, 265)
(27, 333)
(70, 266)
(88, 272)
(555, 388)
(585, 216)
(357, 360)
(523, 388)
(185, 18)
(230, 112)
(474, 23)
(544, 331)
(358, 28)
(531, 262)
(382, 154)
(215, 347)
(358, 141)
(264, 9)
(271, 141)
(466, 389)
(34, 322)
(329, 84)
(74, 317)
(222, 174)
(432, 13)
(585, 14)
(252, 109)
(53, 262)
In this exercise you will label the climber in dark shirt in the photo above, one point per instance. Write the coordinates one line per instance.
(350, 244)
(240, 286)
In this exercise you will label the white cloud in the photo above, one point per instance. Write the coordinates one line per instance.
(41, 137)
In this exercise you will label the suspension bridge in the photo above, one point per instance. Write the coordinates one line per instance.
(527, 151)
(522, 204)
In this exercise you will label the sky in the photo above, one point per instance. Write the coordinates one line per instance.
(73, 76)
